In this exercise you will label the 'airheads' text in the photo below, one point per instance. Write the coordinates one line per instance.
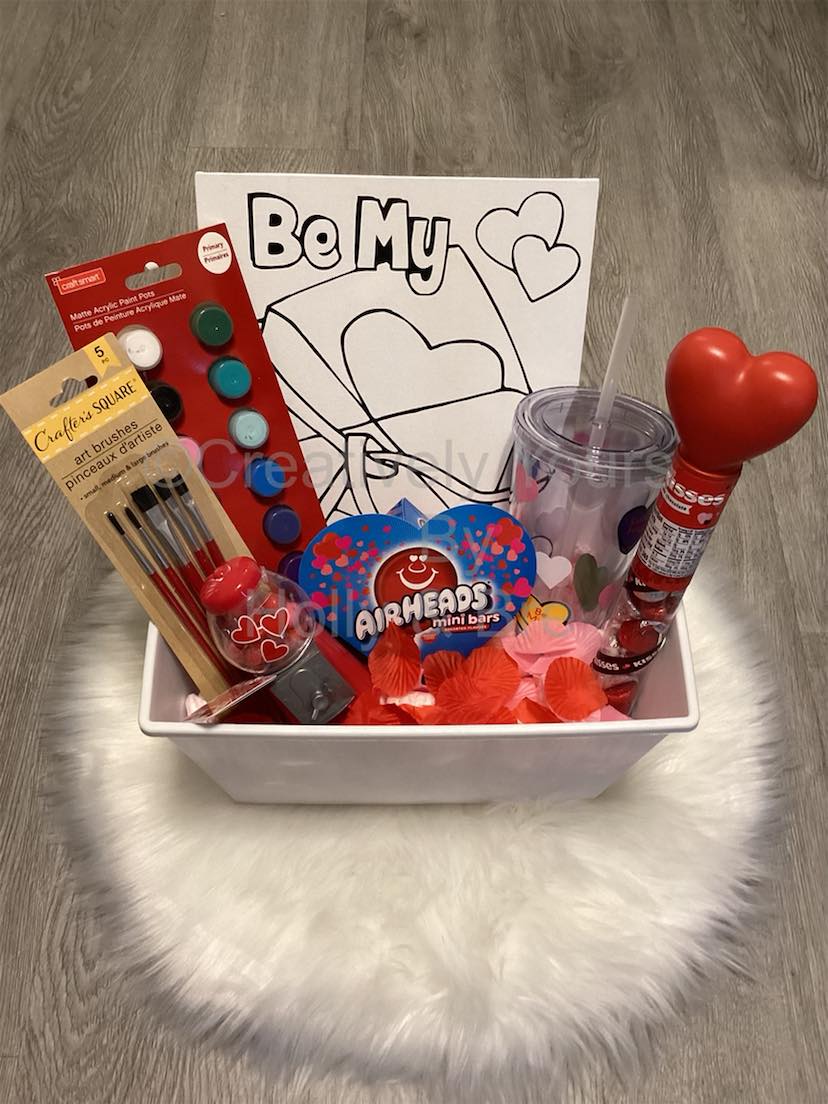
(461, 608)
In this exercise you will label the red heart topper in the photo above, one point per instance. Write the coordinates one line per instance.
(729, 406)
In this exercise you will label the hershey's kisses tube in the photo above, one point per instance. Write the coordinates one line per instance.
(682, 520)
(729, 407)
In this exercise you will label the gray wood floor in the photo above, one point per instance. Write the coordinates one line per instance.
(706, 123)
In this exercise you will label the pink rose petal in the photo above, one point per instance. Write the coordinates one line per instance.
(539, 643)
(544, 640)
(527, 688)
(585, 639)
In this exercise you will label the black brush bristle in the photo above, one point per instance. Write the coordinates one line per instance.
(131, 518)
(144, 499)
(116, 525)
(178, 485)
(162, 489)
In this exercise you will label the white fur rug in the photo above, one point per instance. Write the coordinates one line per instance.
(483, 953)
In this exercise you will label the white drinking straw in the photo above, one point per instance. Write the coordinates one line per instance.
(582, 528)
(612, 377)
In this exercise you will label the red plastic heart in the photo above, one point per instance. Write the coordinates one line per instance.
(246, 631)
(730, 406)
(275, 624)
(272, 651)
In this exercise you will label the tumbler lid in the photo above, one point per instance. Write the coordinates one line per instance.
(553, 426)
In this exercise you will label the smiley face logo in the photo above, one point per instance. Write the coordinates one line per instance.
(413, 571)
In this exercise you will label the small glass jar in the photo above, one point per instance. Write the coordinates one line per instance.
(264, 623)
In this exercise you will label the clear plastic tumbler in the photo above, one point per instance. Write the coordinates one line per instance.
(584, 507)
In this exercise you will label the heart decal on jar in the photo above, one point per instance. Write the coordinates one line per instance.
(273, 650)
(275, 624)
(246, 631)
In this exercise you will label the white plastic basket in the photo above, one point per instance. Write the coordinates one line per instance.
(335, 764)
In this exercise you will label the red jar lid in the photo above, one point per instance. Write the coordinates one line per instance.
(227, 588)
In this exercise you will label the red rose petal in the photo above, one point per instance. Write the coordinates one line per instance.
(494, 673)
(532, 712)
(572, 689)
(455, 692)
(438, 666)
(367, 709)
(394, 663)
(502, 716)
(423, 714)
(461, 701)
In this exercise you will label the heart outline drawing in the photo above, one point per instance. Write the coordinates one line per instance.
(538, 223)
(370, 335)
(544, 269)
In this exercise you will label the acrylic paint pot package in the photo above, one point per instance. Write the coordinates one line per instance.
(182, 314)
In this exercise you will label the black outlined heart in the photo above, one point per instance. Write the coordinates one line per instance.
(543, 269)
(537, 224)
(541, 214)
(394, 367)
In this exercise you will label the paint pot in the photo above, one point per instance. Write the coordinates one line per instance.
(211, 324)
(282, 525)
(167, 400)
(229, 377)
(265, 477)
(142, 347)
(248, 428)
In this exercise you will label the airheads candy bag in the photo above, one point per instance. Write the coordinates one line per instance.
(454, 582)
